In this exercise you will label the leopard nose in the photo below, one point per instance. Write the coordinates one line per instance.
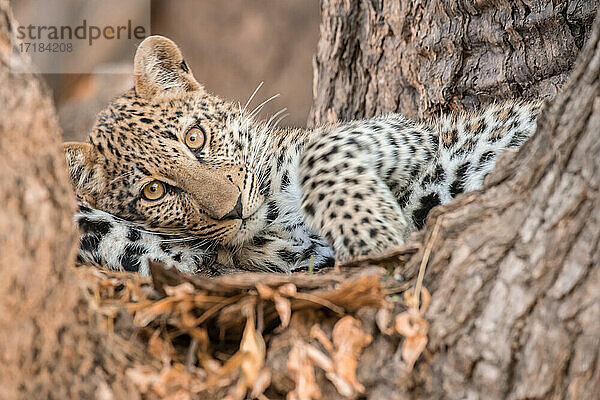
(236, 213)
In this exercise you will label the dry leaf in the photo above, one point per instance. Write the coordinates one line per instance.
(319, 358)
(238, 391)
(414, 328)
(283, 305)
(425, 300)
(211, 365)
(262, 382)
(302, 372)
(317, 333)
(142, 377)
(179, 291)
(170, 380)
(349, 341)
(264, 291)
(194, 307)
(289, 290)
(179, 395)
(188, 321)
(412, 301)
(412, 348)
(223, 375)
(146, 315)
(162, 383)
(254, 350)
(250, 359)
(158, 347)
(383, 318)
(284, 309)
(341, 385)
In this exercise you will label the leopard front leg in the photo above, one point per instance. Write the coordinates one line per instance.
(285, 251)
(120, 245)
(345, 197)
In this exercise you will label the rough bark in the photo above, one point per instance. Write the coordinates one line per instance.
(51, 345)
(424, 57)
(516, 310)
(515, 270)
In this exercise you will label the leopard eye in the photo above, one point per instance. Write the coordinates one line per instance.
(154, 190)
(195, 138)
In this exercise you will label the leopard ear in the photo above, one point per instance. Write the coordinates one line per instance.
(160, 70)
(86, 176)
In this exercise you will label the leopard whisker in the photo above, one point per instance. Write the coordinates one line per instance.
(261, 105)
(279, 120)
(270, 129)
(177, 240)
(122, 176)
(142, 229)
(252, 97)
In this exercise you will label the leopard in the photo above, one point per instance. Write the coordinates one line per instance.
(174, 174)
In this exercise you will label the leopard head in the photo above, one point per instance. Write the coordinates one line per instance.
(168, 155)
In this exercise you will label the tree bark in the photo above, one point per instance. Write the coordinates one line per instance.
(517, 274)
(427, 57)
(51, 345)
(515, 269)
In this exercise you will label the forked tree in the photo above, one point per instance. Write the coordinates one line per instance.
(514, 268)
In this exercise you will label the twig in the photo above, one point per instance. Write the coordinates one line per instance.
(214, 309)
(190, 358)
(397, 289)
(425, 260)
(390, 256)
(320, 301)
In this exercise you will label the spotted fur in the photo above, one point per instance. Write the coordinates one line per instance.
(260, 198)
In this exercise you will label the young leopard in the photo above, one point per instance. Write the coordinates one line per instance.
(174, 174)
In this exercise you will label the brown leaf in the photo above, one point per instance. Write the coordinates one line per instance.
(180, 291)
(383, 318)
(264, 291)
(289, 290)
(349, 341)
(142, 377)
(412, 301)
(223, 375)
(262, 382)
(317, 333)
(237, 391)
(284, 309)
(319, 358)
(302, 372)
(414, 328)
(179, 395)
(146, 315)
(254, 350)
(158, 347)
(412, 348)
(171, 378)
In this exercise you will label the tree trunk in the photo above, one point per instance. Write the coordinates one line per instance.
(50, 345)
(515, 269)
(427, 57)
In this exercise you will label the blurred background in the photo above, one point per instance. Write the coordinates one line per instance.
(231, 46)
